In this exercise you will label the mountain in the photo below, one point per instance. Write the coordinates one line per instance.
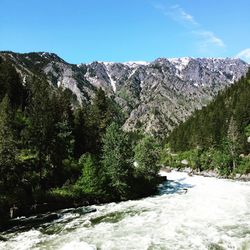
(225, 119)
(156, 96)
(217, 137)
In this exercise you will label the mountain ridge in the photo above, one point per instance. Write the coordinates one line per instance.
(156, 96)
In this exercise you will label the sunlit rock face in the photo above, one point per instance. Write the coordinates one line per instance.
(156, 96)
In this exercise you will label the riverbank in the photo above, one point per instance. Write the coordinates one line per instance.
(44, 212)
(208, 173)
(52, 204)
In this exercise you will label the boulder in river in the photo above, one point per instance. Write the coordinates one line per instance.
(32, 221)
(2, 238)
(85, 210)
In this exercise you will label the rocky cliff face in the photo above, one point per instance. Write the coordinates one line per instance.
(155, 96)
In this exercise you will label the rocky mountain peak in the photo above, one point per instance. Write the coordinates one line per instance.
(156, 96)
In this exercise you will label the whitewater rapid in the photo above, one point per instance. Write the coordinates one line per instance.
(188, 213)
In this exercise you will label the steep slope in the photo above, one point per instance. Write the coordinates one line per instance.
(170, 91)
(156, 96)
(226, 120)
(56, 70)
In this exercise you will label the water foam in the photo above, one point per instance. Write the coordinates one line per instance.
(191, 213)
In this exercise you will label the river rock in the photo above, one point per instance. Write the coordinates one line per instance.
(166, 169)
(2, 238)
(184, 162)
(33, 220)
(162, 178)
(85, 210)
(242, 177)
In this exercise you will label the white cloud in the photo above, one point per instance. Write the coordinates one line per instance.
(209, 38)
(244, 55)
(179, 13)
(206, 40)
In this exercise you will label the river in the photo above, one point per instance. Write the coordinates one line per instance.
(188, 213)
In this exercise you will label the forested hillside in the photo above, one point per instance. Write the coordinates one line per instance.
(217, 136)
(53, 150)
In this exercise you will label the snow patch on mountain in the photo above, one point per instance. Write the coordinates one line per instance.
(135, 64)
(180, 63)
(112, 82)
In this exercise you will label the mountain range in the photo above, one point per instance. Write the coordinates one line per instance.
(155, 96)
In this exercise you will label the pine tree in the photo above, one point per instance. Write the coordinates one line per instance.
(233, 137)
(90, 182)
(62, 140)
(8, 148)
(81, 133)
(10, 84)
(41, 129)
(102, 113)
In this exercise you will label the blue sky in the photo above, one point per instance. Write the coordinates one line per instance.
(126, 30)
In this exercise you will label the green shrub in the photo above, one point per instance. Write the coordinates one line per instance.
(90, 182)
(244, 166)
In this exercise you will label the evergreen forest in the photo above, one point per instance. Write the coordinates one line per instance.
(55, 151)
